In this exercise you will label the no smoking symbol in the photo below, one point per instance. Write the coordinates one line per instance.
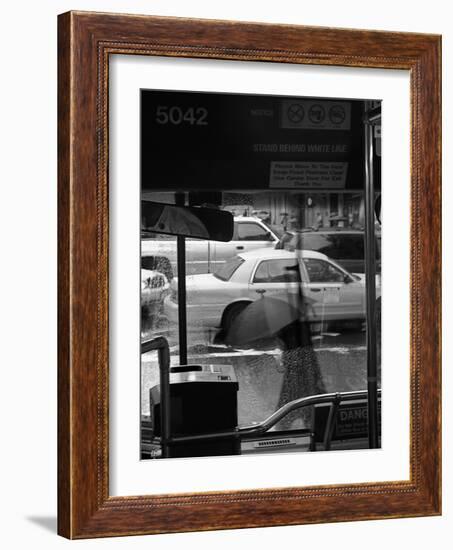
(295, 113)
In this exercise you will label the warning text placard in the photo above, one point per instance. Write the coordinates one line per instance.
(310, 175)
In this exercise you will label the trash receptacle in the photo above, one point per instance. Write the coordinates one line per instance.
(203, 399)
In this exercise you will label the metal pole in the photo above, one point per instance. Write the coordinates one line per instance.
(370, 272)
(331, 421)
(161, 345)
(182, 311)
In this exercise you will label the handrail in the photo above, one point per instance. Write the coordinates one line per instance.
(257, 429)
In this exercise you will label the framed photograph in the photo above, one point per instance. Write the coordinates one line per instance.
(249, 275)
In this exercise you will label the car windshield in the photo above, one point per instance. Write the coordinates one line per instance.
(226, 270)
(266, 326)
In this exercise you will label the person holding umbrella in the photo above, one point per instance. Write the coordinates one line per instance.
(302, 375)
(284, 319)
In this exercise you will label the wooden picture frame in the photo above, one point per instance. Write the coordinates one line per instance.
(85, 41)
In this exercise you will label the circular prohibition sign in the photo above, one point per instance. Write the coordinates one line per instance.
(295, 113)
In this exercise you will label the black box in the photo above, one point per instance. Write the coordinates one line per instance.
(203, 399)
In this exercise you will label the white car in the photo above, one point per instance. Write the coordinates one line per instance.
(215, 299)
(204, 256)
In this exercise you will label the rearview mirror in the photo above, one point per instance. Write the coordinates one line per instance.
(187, 221)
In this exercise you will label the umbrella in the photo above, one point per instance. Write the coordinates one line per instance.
(264, 318)
(180, 221)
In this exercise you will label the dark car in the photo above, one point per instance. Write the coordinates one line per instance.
(345, 246)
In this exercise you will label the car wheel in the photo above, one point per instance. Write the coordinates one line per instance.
(231, 313)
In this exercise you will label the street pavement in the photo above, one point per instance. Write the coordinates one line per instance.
(341, 357)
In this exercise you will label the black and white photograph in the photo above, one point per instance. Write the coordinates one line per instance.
(196, 354)
(260, 274)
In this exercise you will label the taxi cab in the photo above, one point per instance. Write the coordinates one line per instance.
(215, 299)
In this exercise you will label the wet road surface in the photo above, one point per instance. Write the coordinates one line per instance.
(341, 357)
